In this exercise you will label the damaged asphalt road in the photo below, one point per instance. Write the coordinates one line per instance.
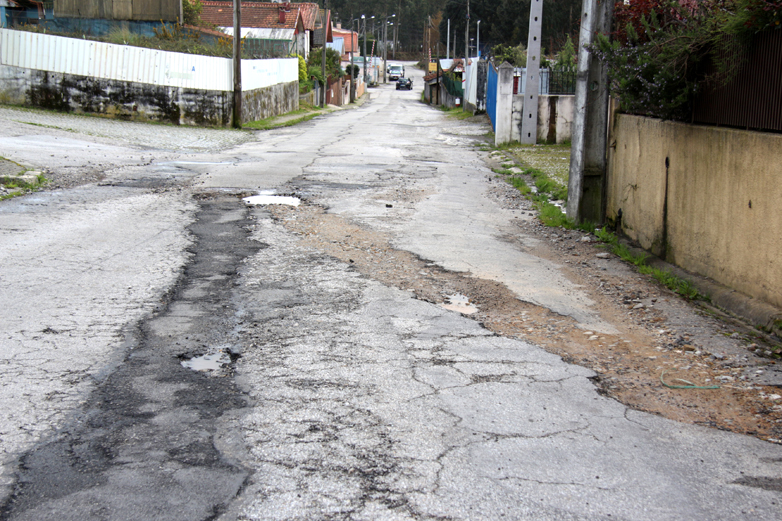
(147, 443)
(343, 388)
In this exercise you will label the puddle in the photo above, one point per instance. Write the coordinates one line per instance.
(208, 362)
(460, 304)
(194, 163)
(269, 197)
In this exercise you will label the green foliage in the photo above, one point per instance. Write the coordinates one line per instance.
(607, 237)
(316, 72)
(552, 215)
(191, 12)
(333, 64)
(123, 36)
(520, 184)
(514, 55)
(681, 286)
(25, 187)
(303, 75)
(353, 70)
(661, 49)
(567, 58)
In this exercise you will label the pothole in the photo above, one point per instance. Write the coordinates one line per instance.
(208, 362)
(459, 303)
(268, 197)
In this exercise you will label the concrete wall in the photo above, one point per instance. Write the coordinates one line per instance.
(555, 118)
(140, 101)
(704, 198)
(151, 10)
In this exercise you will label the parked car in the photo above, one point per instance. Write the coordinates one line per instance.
(395, 72)
(404, 83)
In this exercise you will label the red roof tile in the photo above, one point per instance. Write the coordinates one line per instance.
(309, 14)
(351, 44)
(254, 14)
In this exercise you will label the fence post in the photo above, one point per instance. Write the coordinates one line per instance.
(504, 114)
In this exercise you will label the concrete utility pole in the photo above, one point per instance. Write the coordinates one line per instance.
(529, 120)
(466, 53)
(353, 45)
(586, 186)
(323, 20)
(237, 113)
(478, 41)
(366, 76)
(448, 46)
(467, 39)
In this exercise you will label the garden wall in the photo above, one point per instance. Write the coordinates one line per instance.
(703, 198)
(76, 75)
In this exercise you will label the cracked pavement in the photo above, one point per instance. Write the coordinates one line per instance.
(347, 390)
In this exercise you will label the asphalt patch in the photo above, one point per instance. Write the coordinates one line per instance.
(143, 446)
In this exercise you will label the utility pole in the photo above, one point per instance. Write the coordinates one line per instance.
(353, 45)
(448, 46)
(237, 112)
(478, 41)
(366, 76)
(323, 20)
(587, 182)
(529, 121)
(467, 38)
(466, 51)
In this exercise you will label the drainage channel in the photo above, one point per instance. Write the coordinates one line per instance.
(145, 444)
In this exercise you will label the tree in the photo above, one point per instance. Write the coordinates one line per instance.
(191, 12)
(333, 64)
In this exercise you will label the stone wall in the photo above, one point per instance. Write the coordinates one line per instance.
(139, 101)
(703, 198)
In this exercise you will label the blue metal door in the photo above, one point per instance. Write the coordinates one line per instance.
(491, 95)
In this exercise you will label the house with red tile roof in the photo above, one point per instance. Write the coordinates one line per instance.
(350, 40)
(270, 29)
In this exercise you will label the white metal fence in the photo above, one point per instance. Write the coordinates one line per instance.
(136, 64)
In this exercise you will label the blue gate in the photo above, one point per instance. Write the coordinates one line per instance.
(491, 95)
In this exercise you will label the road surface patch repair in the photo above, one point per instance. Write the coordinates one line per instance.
(151, 440)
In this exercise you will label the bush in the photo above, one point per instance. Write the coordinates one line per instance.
(353, 70)
(191, 12)
(516, 56)
(661, 48)
(333, 64)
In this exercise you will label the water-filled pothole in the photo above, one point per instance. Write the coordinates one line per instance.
(270, 197)
(208, 362)
(459, 303)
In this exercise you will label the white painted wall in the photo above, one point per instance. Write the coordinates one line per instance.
(135, 64)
